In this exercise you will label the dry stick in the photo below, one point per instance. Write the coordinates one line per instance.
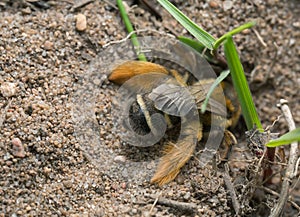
(136, 32)
(297, 166)
(295, 174)
(230, 187)
(278, 195)
(259, 38)
(154, 203)
(175, 204)
(289, 174)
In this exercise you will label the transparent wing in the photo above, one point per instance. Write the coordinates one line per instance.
(145, 82)
(172, 99)
(177, 100)
(216, 103)
(139, 84)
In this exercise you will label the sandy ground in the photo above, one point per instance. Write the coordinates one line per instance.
(44, 168)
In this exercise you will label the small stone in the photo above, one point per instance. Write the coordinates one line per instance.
(44, 54)
(246, 31)
(213, 4)
(134, 211)
(48, 45)
(68, 183)
(81, 22)
(123, 185)
(120, 159)
(47, 170)
(101, 42)
(187, 196)
(180, 179)
(9, 163)
(227, 5)
(32, 172)
(8, 89)
(296, 24)
(26, 10)
(18, 148)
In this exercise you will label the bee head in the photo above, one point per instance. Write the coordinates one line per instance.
(143, 113)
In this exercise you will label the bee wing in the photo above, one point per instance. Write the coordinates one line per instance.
(172, 99)
(216, 107)
(216, 103)
(144, 83)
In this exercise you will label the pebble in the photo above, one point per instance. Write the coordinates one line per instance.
(81, 22)
(123, 185)
(120, 159)
(296, 24)
(48, 45)
(68, 183)
(8, 89)
(47, 170)
(26, 10)
(227, 5)
(187, 196)
(213, 4)
(18, 148)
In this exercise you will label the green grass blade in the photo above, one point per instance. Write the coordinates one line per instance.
(241, 85)
(219, 79)
(129, 28)
(232, 32)
(204, 37)
(199, 47)
(285, 139)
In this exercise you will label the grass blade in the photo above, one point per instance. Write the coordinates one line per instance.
(219, 79)
(199, 47)
(129, 28)
(204, 37)
(232, 32)
(241, 85)
(285, 139)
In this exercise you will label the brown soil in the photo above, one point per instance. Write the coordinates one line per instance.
(45, 169)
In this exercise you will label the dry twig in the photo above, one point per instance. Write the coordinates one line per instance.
(154, 203)
(136, 32)
(270, 191)
(231, 189)
(290, 170)
(190, 207)
(260, 38)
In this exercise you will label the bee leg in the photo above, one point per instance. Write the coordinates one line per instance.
(232, 104)
(232, 122)
(175, 158)
(228, 141)
(181, 80)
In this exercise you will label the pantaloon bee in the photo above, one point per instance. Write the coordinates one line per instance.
(172, 99)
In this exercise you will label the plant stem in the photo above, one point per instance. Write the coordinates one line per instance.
(241, 85)
(129, 28)
(231, 33)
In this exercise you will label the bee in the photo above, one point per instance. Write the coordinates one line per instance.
(174, 99)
